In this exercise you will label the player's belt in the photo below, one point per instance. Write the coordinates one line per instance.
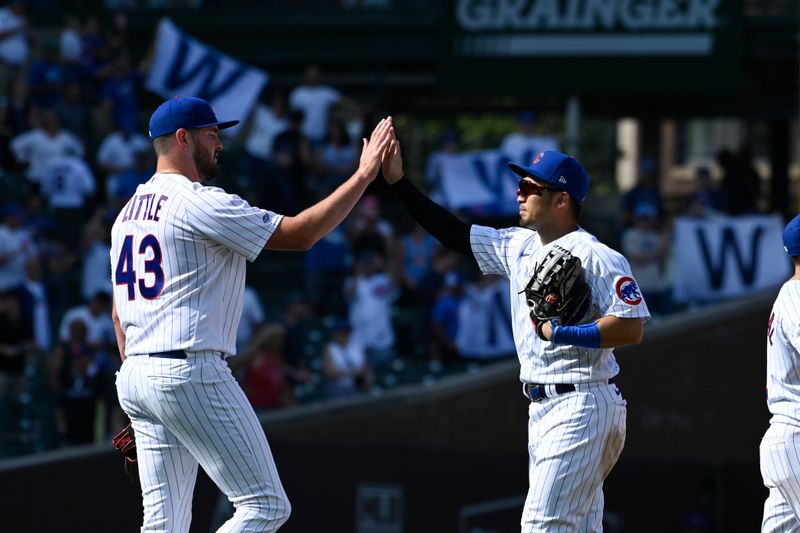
(173, 354)
(537, 392)
(177, 354)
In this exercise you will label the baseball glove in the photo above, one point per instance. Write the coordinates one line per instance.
(125, 442)
(557, 290)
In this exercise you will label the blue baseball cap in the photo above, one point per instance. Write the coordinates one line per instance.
(185, 112)
(560, 170)
(791, 237)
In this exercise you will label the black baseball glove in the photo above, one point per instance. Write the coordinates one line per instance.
(557, 290)
(125, 442)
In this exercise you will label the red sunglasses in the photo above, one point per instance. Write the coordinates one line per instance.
(527, 187)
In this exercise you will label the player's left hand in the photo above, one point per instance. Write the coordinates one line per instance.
(557, 291)
(373, 149)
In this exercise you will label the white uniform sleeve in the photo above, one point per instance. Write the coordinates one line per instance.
(63, 330)
(230, 221)
(495, 249)
(77, 146)
(614, 288)
(87, 179)
(21, 146)
(105, 153)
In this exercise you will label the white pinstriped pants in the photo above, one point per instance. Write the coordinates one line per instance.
(574, 440)
(780, 467)
(192, 411)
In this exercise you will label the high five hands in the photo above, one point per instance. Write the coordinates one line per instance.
(373, 152)
(393, 161)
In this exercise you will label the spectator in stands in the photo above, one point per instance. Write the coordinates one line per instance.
(707, 200)
(369, 231)
(74, 381)
(344, 364)
(57, 261)
(336, 158)
(484, 320)
(47, 77)
(294, 321)
(96, 52)
(96, 315)
(124, 186)
(325, 267)
(119, 34)
(96, 250)
(263, 363)
(370, 293)
(116, 153)
(17, 246)
(38, 146)
(67, 183)
(34, 204)
(16, 338)
(444, 320)
(292, 153)
(741, 184)
(646, 245)
(525, 143)
(416, 257)
(645, 192)
(252, 319)
(265, 124)
(69, 41)
(443, 261)
(119, 95)
(15, 112)
(316, 101)
(449, 144)
(14, 41)
(73, 111)
(34, 303)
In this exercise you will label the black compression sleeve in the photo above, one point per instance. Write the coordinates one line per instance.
(436, 220)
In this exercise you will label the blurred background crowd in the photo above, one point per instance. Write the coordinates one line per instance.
(376, 304)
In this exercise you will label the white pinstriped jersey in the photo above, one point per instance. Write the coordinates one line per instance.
(514, 253)
(178, 256)
(783, 355)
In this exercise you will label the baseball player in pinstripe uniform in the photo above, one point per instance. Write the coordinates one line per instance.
(178, 267)
(780, 447)
(576, 426)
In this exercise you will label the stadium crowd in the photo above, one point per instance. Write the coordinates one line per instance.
(380, 301)
(72, 115)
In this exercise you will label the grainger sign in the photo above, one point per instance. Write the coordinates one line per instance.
(587, 27)
(616, 46)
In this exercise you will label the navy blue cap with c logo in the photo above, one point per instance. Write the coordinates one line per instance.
(185, 112)
(560, 170)
(791, 237)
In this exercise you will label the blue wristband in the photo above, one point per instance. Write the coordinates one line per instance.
(585, 335)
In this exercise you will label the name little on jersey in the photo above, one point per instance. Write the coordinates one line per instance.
(144, 207)
(587, 14)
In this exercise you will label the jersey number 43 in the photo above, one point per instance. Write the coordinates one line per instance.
(125, 274)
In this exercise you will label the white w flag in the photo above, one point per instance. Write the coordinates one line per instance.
(183, 66)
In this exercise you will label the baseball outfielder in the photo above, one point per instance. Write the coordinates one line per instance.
(576, 426)
(780, 460)
(178, 267)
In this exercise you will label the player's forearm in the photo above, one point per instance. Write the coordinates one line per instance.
(301, 232)
(615, 331)
(438, 221)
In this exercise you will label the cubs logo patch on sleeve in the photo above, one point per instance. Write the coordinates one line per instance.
(628, 291)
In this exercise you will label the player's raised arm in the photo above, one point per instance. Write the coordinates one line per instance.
(438, 221)
(301, 232)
